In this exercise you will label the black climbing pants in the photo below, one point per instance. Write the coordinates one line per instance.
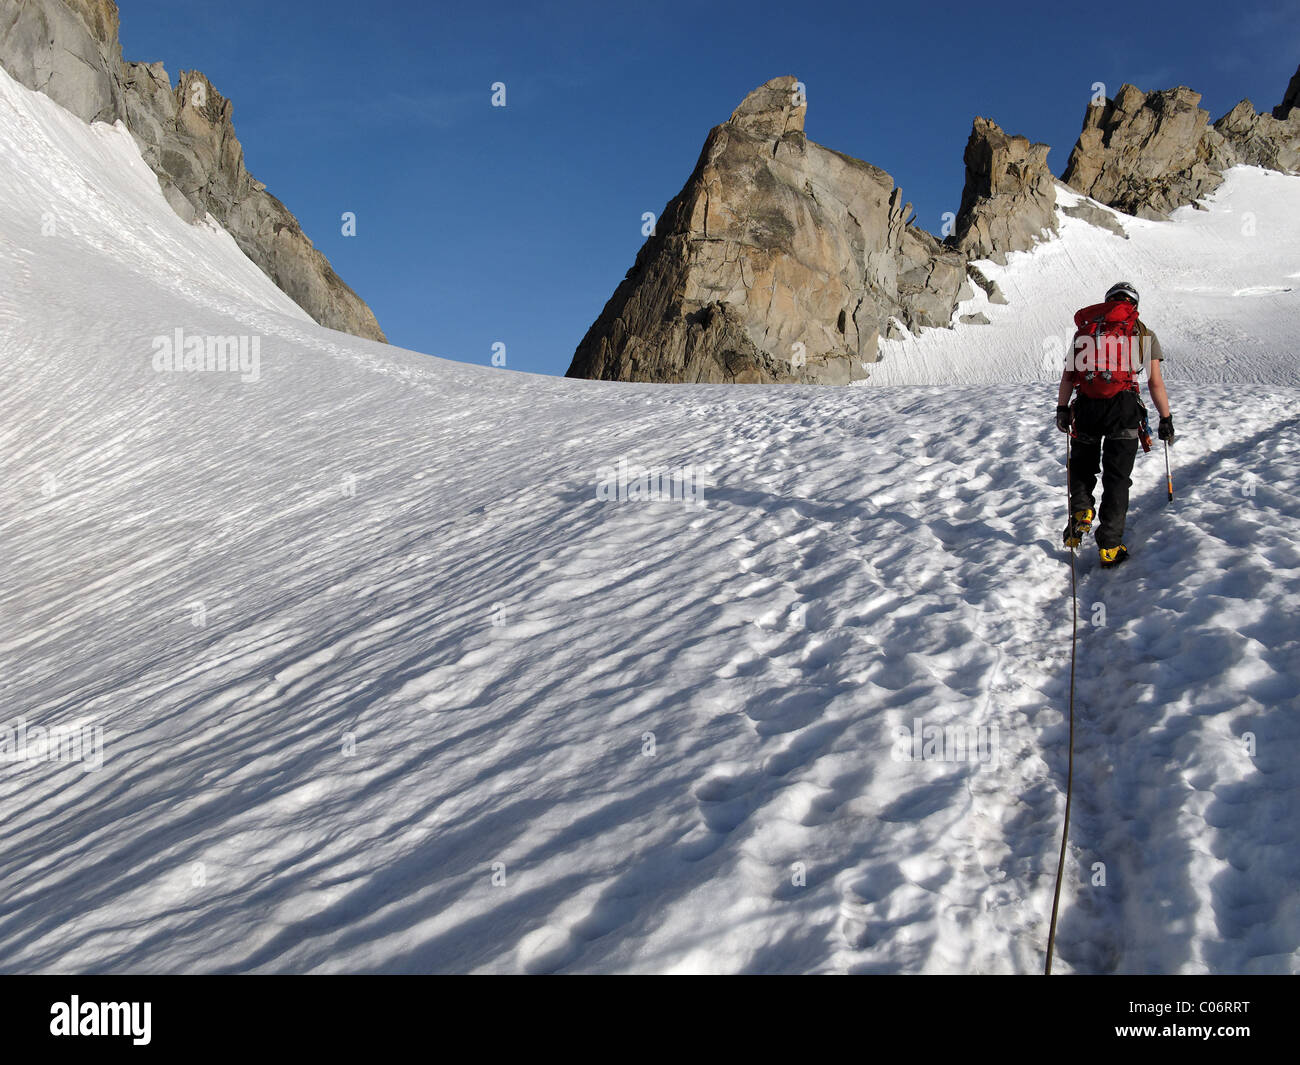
(1106, 440)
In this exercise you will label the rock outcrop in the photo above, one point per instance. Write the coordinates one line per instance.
(1095, 216)
(186, 136)
(779, 260)
(1008, 202)
(1260, 139)
(990, 287)
(69, 50)
(1146, 154)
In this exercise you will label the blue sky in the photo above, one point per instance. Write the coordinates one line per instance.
(478, 225)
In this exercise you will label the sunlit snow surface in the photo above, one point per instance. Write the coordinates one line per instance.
(384, 687)
(1220, 286)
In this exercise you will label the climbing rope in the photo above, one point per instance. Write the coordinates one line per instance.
(1069, 774)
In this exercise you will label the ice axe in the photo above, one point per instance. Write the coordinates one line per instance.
(1169, 479)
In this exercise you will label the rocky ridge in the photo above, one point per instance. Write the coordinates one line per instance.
(69, 50)
(785, 261)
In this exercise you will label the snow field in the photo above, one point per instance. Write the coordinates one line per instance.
(386, 687)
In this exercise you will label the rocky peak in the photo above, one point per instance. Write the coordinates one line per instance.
(1009, 198)
(1146, 154)
(204, 110)
(779, 260)
(772, 110)
(69, 50)
(782, 260)
(1269, 140)
(1261, 139)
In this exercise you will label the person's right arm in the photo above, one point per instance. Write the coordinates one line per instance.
(1065, 390)
(1156, 386)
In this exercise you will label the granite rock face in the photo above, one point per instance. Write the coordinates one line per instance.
(187, 137)
(69, 50)
(1008, 202)
(1096, 216)
(1148, 153)
(1261, 139)
(779, 260)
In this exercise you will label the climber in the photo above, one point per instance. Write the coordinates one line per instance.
(1111, 347)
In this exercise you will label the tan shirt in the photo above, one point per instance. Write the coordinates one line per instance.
(1149, 343)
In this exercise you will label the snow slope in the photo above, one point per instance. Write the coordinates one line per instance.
(384, 686)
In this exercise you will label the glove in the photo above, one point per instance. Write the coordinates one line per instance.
(1063, 418)
(1166, 430)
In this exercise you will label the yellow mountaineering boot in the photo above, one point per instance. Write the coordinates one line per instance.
(1078, 527)
(1113, 556)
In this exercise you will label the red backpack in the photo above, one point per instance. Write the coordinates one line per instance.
(1106, 351)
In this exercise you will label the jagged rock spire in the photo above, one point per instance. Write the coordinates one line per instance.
(773, 109)
(1009, 198)
(1148, 153)
(780, 260)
